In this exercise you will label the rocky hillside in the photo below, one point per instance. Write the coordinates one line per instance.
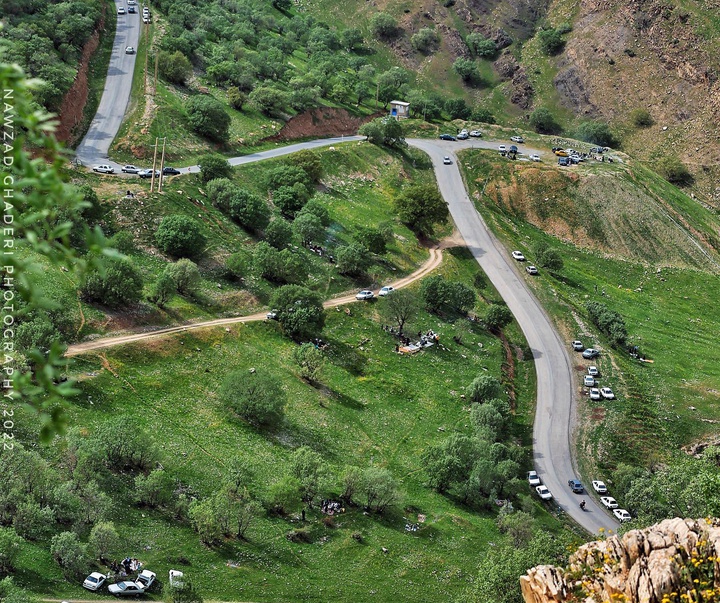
(673, 561)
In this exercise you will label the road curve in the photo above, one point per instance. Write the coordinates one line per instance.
(107, 342)
(116, 94)
(554, 419)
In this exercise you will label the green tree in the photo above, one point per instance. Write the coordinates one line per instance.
(385, 131)
(205, 521)
(174, 66)
(156, 489)
(308, 161)
(284, 495)
(236, 98)
(383, 26)
(468, 70)
(180, 236)
(391, 84)
(460, 297)
(208, 117)
(498, 317)
(299, 312)
(214, 166)
(163, 289)
(185, 275)
(450, 462)
(551, 259)
(308, 228)
(32, 521)
(401, 306)
(595, 132)
(119, 284)
(420, 207)
(425, 40)
(351, 39)
(378, 488)
(480, 46)
(10, 545)
(104, 541)
(279, 233)
(269, 99)
(483, 115)
(256, 397)
(307, 467)
(310, 360)
(543, 121)
(484, 388)
(317, 207)
(10, 593)
(237, 265)
(457, 108)
(290, 199)
(249, 210)
(287, 175)
(220, 192)
(352, 259)
(372, 239)
(70, 554)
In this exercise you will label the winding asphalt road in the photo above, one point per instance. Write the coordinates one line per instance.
(554, 420)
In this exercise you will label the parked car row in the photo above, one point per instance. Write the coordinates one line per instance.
(590, 379)
(147, 173)
(609, 502)
(367, 294)
(462, 135)
(541, 490)
(518, 255)
(127, 588)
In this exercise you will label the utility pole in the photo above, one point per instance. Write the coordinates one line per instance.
(377, 95)
(152, 176)
(162, 164)
(157, 60)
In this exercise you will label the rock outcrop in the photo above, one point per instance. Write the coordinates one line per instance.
(675, 560)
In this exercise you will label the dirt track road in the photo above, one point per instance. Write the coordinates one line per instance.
(107, 342)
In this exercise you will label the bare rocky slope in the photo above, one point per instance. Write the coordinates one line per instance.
(675, 560)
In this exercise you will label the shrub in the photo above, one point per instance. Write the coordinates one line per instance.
(317, 208)
(32, 521)
(236, 98)
(174, 66)
(483, 115)
(498, 316)
(180, 236)
(484, 388)
(10, 544)
(290, 199)
(457, 108)
(208, 117)
(238, 265)
(163, 289)
(120, 285)
(310, 360)
(595, 132)
(480, 46)
(124, 242)
(542, 121)
(286, 175)
(384, 26)
(104, 541)
(425, 40)
(256, 397)
(220, 192)
(352, 259)
(468, 70)
(551, 41)
(308, 228)
(641, 118)
(674, 171)
(249, 210)
(379, 489)
(214, 166)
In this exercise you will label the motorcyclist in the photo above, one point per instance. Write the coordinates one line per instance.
(582, 505)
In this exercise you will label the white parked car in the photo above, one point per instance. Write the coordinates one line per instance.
(126, 589)
(595, 393)
(94, 581)
(104, 169)
(531, 270)
(593, 370)
(387, 290)
(543, 492)
(578, 345)
(502, 148)
(533, 478)
(589, 381)
(535, 157)
(607, 393)
(599, 486)
(145, 579)
(622, 515)
(475, 133)
(175, 578)
(146, 18)
(365, 294)
(517, 255)
(517, 139)
(129, 50)
(130, 169)
(609, 502)
(121, 10)
(447, 160)
(591, 353)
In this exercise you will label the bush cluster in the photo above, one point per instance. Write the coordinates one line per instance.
(611, 323)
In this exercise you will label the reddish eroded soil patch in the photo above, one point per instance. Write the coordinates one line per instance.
(597, 413)
(323, 121)
(73, 105)
(508, 370)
